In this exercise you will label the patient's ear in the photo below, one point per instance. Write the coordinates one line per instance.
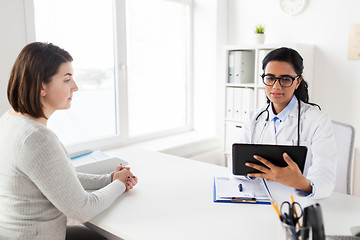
(43, 90)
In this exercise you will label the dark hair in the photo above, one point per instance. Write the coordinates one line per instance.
(36, 64)
(293, 57)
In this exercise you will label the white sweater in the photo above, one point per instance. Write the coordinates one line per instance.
(39, 186)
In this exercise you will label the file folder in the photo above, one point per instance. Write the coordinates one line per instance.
(231, 67)
(229, 103)
(238, 104)
(244, 65)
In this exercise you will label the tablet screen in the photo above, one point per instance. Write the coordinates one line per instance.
(242, 153)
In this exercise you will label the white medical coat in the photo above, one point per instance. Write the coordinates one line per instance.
(316, 133)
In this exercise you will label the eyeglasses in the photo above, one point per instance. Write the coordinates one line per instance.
(285, 81)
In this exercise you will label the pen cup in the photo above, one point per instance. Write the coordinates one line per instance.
(289, 232)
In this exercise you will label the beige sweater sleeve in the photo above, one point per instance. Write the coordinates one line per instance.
(93, 181)
(49, 168)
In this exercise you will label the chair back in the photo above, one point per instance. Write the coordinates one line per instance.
(344, 136)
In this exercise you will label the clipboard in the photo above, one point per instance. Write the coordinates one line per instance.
(226, 191)
(242, 153)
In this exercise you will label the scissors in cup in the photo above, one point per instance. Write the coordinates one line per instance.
(289, 212)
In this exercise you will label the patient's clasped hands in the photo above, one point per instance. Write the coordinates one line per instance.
(124, 175)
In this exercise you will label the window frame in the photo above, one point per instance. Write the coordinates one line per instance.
(121, 80)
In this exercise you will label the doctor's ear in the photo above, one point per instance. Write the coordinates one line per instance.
(299, 81)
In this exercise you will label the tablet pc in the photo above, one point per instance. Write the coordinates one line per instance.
(242, 153)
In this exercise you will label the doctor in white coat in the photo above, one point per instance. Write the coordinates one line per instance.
(289, 119)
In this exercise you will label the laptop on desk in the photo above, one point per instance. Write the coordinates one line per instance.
(355, 231)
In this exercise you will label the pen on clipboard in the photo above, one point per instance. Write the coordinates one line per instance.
(238, 199)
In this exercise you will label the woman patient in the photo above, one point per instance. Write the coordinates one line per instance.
(39, 187)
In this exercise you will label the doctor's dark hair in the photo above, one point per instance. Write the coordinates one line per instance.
(293, 57)
(36, 64)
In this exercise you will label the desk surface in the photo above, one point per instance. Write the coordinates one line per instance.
(174, 200)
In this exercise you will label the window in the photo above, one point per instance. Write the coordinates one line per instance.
(89, 40)
(131, 63)
(157, 47)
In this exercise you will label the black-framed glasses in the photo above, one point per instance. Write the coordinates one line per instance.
(285, 80)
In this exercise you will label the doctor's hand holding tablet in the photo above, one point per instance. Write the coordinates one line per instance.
(289, 119)
(290, 175)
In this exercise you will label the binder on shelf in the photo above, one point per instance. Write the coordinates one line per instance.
(243, 102)
(231, 67)
(237, 66)
(247, 101)
(229, 189)
(238, 104)
(244, 64)
(229, 103)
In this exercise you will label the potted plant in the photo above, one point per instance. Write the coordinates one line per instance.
(259, 34)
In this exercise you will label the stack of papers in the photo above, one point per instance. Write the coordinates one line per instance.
(227, 189)
(95, 162)
(88, 156)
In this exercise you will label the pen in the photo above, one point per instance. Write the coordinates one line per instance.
(240, 187)
(275, 206)
(235, 199)
(292, 200)
(273, 203)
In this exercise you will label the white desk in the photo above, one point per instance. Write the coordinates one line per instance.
(174, 200)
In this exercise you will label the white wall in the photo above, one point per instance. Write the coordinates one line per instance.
(12, 40)
(325, 24)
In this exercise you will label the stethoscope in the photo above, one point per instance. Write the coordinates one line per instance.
(267, 121)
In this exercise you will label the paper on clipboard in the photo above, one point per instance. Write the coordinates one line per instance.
(227, 188)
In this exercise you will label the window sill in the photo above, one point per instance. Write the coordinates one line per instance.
(193, 145)
(184, 145)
